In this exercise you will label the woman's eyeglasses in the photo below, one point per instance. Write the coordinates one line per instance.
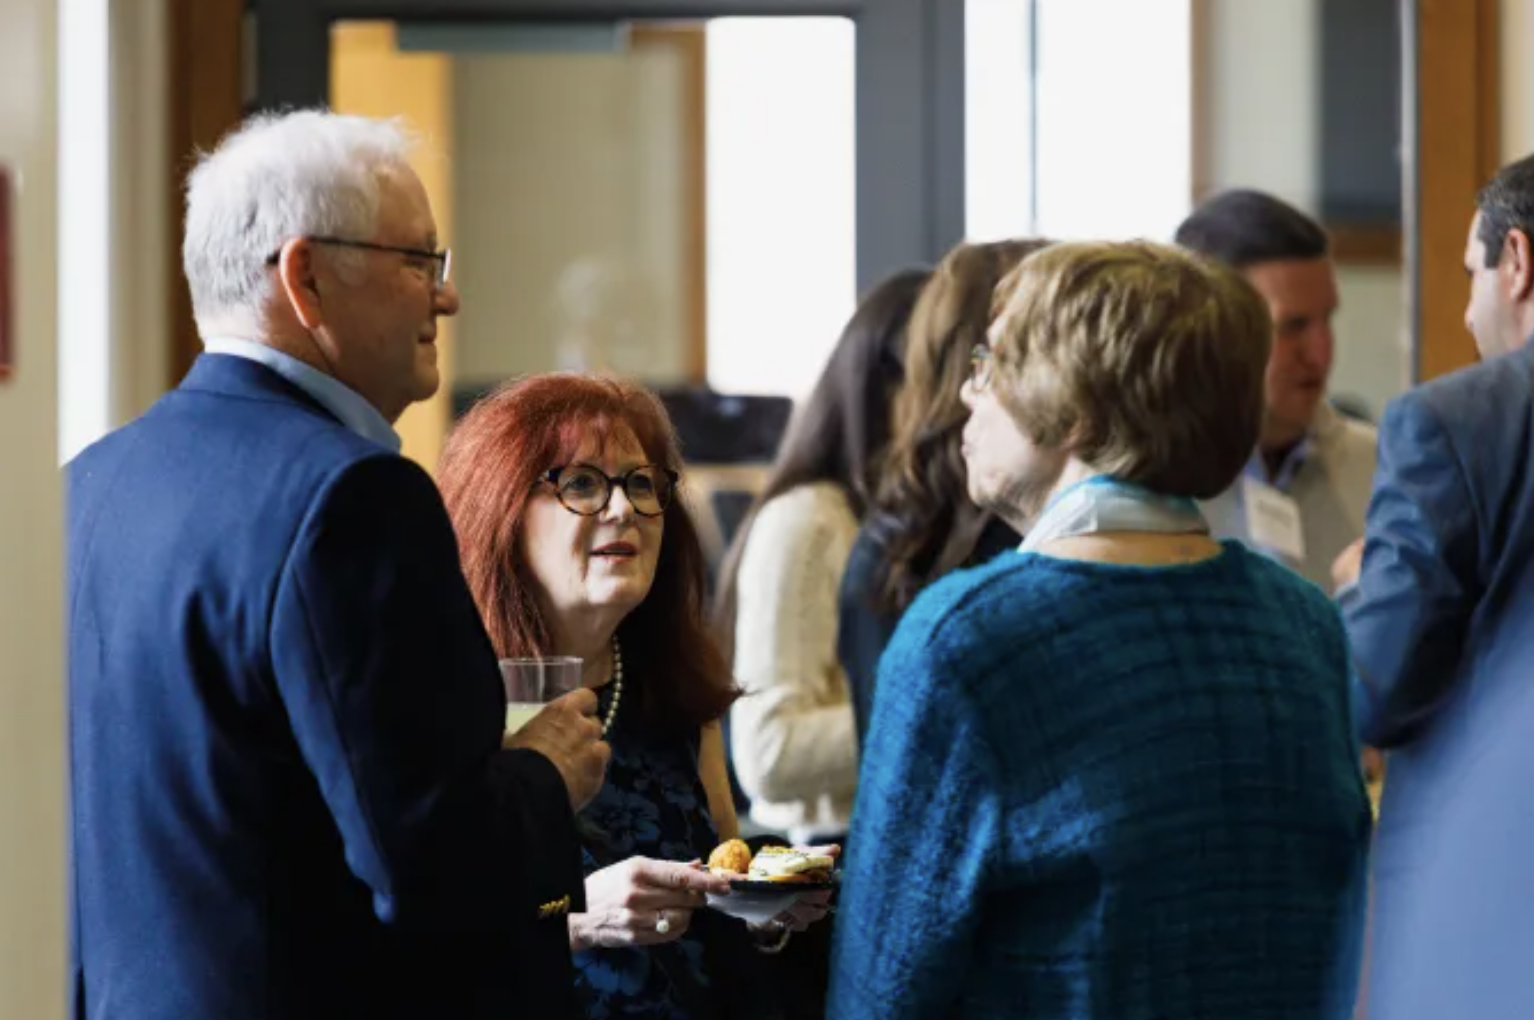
(586, 490)
(979, 367)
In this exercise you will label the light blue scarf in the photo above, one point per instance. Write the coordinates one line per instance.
(1101, 503)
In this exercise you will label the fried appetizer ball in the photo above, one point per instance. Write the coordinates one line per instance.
(731, 856)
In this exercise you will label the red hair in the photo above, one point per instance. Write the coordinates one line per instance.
(490, 469)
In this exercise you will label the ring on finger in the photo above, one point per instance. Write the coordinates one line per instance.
(662, 924)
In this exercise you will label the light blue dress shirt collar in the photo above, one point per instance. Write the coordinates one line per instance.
(1295, 459)
(350, 407)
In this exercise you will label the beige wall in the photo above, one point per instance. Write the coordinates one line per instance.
(141, 213)
(1262, 131)
(575, 254)
(369, 76)
(1517, 78)
(32, 816)
(1260, 92)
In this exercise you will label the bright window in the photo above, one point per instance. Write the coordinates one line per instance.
(781, 219)
(1077, 131)
(85, 295)
(998, 130)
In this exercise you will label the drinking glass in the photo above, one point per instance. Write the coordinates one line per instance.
(532, 683)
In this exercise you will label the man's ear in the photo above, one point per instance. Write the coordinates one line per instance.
(296, 273)
(1517, 266)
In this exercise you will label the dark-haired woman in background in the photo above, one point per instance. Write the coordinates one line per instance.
(922, 523)
(791, 734)
(791, 737)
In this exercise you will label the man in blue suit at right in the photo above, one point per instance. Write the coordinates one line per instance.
(1441, 619)
(290, 794)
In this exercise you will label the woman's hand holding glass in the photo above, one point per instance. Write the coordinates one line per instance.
(641, 902)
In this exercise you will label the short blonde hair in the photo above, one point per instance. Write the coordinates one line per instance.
(1146, 359)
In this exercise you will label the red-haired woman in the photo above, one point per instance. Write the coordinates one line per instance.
(561, 488)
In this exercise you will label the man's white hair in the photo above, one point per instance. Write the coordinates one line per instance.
(279, 176)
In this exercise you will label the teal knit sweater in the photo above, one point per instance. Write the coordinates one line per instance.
(1096, 791)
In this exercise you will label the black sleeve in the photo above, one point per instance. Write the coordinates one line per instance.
(395, 700)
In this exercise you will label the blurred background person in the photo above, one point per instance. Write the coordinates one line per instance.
(792, 735)
(1439, 621)
(562, 489)
(1304, 491)
(922, 523)
(792, 738)
(1112, 775)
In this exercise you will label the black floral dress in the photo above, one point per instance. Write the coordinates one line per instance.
(653, 805)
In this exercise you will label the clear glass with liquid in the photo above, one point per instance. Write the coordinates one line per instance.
(532, 683)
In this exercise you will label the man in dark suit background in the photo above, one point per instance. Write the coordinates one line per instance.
(290, 797)
(1441, 618)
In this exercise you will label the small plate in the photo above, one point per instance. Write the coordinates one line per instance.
(755, 886)
(760, 902)
(751, 907)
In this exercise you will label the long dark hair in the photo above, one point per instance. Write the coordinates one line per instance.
(839, 432)
(922, 511)
(488, 472)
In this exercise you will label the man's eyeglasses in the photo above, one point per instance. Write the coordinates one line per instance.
(585, 490)
(980, 367)
(434, 265)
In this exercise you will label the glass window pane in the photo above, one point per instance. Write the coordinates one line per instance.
(673, 202)
(998, 143)
(565, 171)
(781, 230)
(574, 255)
(1114, 117)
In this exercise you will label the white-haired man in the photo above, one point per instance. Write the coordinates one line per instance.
(290, 797)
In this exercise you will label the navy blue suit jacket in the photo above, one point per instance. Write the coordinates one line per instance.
(289, 794)
(1442, 627)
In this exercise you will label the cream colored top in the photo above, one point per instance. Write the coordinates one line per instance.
(792, 734)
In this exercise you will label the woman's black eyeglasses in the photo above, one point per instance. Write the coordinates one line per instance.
(586, 490)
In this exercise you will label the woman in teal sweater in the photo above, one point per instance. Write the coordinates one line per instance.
(1112, 775)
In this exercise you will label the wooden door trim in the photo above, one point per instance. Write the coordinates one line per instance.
(1453, 148)
(204, 101)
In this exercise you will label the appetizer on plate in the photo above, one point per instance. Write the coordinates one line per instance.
(732, 857)
(773, 881)
(771, 864)
(783, 864)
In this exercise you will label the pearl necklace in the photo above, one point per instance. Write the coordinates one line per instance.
(612, 707)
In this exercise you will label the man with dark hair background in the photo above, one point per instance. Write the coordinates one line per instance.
(1303, 495)
(1438, 619)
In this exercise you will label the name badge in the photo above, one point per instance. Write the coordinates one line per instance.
(1273, 519)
